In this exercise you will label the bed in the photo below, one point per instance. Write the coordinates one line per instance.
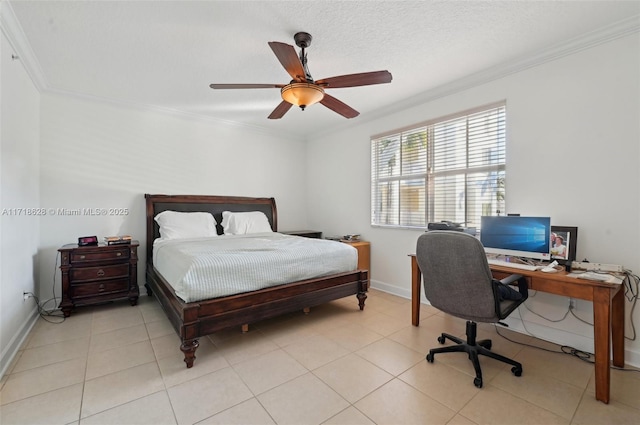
(193, 320)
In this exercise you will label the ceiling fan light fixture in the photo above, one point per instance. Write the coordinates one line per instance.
(302, 94)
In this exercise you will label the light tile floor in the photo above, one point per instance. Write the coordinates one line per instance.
(117, 364)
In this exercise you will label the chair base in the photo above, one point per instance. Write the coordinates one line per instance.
(473, 348)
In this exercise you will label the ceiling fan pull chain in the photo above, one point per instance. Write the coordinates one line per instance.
(303, 60)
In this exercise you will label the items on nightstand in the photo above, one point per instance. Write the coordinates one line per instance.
(87, 241)
(117, 240)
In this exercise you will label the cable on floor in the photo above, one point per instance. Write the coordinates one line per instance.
(564, 349)
(55, 311)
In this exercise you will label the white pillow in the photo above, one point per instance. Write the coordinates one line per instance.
(243, 223)
(180, 225)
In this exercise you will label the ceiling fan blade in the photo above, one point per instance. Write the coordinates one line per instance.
(339, 107)
(280, 110)
(289, 59)
(354, 80)
(246, 86)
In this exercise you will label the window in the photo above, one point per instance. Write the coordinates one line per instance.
(447, 169)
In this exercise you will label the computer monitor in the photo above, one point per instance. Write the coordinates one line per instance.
(517, 236)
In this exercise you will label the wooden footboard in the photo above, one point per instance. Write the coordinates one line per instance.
(196, 319)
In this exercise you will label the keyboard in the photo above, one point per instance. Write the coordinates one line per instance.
(520, 266)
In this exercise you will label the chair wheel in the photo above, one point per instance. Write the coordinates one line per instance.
(430, 358)
(517, 371)
(441, 339)
(477, 382)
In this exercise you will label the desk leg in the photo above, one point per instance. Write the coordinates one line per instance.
(601, 337)
(617, 328)
(416, 277)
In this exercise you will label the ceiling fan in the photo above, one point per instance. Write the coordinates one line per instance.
(303, 91)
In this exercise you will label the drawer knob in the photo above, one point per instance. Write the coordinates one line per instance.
(101, 287)
(100, 273)
(82, 257)
(118, 254)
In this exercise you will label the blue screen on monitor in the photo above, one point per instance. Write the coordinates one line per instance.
(515, 235)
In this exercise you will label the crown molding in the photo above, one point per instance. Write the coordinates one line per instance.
(622, 28)
(12, 29)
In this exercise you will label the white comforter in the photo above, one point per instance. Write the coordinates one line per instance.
(203, 268)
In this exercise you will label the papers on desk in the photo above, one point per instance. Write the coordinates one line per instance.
(602, 277)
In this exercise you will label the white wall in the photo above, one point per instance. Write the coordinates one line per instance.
(573, 146)
(19, 188)
(96, 155)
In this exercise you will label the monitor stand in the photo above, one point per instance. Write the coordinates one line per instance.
(515, 260)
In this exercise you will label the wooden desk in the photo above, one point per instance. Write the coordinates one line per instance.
(608, 312)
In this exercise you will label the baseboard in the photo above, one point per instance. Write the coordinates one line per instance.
(564, 338)
(631, 358)
(10, 352)
(391, 289)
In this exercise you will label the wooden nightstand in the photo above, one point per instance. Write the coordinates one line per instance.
(364, 254)
(305, 233)
(95, 274)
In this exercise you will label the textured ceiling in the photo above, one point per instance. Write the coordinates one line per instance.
(164, 54)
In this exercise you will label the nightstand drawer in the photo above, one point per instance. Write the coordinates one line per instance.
(99, 288)
(102, 255)
(99, 273)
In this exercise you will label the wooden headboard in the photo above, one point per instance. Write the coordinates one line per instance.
(203, 203)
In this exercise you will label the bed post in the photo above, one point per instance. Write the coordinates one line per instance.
(189, 348)
(190, 333)
(363, 286)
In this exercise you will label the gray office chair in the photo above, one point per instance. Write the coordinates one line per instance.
(458, 281)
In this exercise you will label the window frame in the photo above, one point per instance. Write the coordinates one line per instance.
(429, 175)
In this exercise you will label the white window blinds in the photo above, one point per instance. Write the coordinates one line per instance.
(449, 169)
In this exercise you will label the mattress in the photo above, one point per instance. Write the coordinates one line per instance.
(203, 268)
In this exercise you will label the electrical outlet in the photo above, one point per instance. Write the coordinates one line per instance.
(25, 296)
(597, 267)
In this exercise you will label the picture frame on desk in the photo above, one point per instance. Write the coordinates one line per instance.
(564, 240)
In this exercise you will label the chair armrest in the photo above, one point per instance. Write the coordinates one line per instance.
(505, 307)
(510, 279)
(523, 287)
